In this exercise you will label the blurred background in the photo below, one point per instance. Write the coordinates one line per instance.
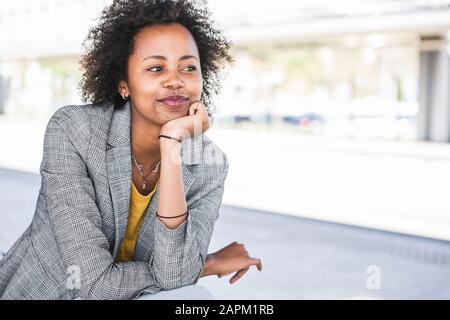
(336, 121)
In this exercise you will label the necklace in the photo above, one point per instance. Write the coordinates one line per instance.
(139, 167)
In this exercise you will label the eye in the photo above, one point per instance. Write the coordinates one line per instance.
(152, 68)
(192, 67)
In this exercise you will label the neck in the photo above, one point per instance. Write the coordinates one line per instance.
(144, 139)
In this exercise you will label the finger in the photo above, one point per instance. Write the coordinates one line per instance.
(192, 107)
(238, 275)
(195, 103)
(192, 110)
(200, 107)
(256, 262)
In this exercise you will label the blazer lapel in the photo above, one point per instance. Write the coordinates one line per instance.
(118, 165)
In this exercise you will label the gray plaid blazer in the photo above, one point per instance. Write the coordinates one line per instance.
(68, 251)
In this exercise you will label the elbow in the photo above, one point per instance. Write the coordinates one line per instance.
(169, 281)
(166, 276)
(167, 285)
(169, 278)
(165, 282)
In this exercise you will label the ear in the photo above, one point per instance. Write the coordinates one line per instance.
(123, 88)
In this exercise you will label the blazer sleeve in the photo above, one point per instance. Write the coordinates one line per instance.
(179, 254)
(77, 225)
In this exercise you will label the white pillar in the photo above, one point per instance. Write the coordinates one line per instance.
(434, 82)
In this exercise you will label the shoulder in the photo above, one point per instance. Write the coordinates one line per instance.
(83, 115)
(78, 124)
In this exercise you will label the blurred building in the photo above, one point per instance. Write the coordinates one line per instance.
(342, 68)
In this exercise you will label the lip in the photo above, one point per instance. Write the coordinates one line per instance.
(174, 101)
(174, 105)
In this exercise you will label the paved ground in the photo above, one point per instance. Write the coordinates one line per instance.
(307, 259)
(302, 258)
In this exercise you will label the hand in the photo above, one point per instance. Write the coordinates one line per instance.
(232, 258)
(195, 123)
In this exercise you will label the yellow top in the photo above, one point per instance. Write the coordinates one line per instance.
(136, 213)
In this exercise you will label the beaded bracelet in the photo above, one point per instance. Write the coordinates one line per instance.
(187, 212)
(168, 137)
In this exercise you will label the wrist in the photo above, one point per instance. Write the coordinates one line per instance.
(175, 132)
(170, 131)
(170, 150)
(168, 137)
(210, 266)
(166, 141)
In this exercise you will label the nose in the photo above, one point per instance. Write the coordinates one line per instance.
(173, 81)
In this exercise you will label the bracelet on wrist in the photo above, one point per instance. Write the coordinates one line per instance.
(187, 212)
(169, 137)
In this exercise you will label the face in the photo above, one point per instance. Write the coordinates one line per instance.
(165, 63)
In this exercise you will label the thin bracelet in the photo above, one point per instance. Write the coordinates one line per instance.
(168, 137)
(171, 217)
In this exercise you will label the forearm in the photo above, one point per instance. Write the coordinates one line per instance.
(172, 200)
(181, 244)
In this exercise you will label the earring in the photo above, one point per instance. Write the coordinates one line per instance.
(124, 97)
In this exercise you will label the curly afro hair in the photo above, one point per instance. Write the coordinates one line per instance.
(110, 43)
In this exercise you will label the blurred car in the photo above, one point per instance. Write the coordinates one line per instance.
(305, 119)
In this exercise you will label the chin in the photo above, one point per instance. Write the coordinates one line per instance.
(175, 113)
(167, 116)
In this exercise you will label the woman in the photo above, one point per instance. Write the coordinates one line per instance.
(131, 188)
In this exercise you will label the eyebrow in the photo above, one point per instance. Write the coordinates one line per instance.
(185, 57)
